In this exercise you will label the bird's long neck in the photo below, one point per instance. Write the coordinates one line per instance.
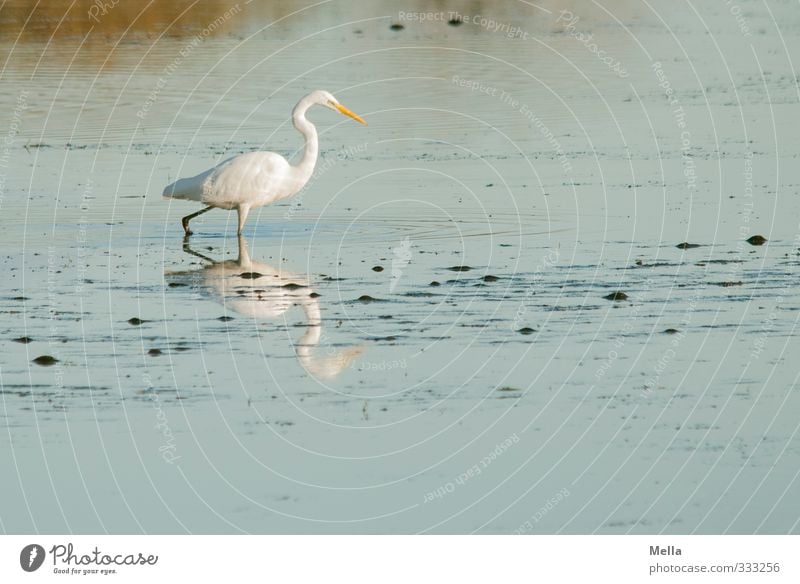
(309, 132)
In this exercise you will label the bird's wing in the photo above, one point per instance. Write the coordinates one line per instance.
(256, 178)
(191, 189)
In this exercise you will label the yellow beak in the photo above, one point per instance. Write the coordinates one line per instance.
(348, 113)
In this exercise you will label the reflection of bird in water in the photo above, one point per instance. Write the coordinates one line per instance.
(258, 290)
(256, 179)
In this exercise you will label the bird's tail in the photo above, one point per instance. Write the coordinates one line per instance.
(186, 188)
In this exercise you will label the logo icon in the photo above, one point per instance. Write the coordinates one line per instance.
(31, 557)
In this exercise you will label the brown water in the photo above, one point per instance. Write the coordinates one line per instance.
(513, 396)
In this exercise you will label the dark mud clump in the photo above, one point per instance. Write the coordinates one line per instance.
(459, 268)
(671, 331)
(377, 268)
(45, 360)
(756, 240)
(293, 286)
(176, 284)
(728, 284)
(490, 278)
(526, 331)
(250, 275)
(617, 296)
(641, 264)
(455, 22)
(707, 262)
(23, 340)
(20, 298)
(366, 299)
(225, 318)
(687, 245)
(314, 295)
(434, 283)
(396, 27)
(155, 352)
(135, 321)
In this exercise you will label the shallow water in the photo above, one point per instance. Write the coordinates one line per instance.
(284, 385)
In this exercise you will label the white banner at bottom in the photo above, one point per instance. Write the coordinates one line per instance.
(370, 559)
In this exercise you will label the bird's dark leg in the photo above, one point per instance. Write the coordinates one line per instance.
(185, 220)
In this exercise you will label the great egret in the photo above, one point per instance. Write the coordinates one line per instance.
(256, 179)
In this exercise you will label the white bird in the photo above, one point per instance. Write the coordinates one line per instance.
(255, 179)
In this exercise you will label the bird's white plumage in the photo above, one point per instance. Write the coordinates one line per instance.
(256, 179)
